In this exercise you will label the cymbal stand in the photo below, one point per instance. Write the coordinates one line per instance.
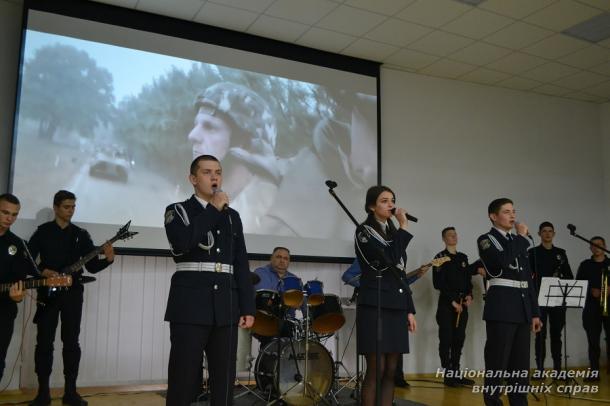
(339, 363)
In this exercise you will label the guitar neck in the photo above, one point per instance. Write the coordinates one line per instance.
(27, 284)
(81, 262)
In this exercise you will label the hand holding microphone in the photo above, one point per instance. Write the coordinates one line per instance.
(522, 229)
(220, 199)
(408, 216)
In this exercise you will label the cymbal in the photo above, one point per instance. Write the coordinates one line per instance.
(255, 278)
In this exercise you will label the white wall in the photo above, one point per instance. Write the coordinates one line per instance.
(605, 134)
(449, 148)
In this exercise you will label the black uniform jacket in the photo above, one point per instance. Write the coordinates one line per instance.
(508, 259)
(375, 252)
(549, 263)
(453, 278)
(14, 266)
(198, 234)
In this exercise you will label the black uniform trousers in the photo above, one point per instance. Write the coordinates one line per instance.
(507, 349)
(556, 317)
(7, 322)
(593, 321)
(450, 338)
(189, 341)
(69, 306)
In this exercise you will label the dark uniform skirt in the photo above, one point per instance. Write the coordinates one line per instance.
(394, 330)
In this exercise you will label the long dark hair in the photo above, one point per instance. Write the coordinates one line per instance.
(371, 200)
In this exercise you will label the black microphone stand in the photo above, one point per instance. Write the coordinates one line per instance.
(573, 233)
(331, 185)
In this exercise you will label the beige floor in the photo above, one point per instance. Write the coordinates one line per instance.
(424, 389)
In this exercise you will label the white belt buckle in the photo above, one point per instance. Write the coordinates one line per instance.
(217, 267)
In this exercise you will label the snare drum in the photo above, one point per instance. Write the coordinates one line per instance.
(315, 294)
(292, 292)
(328, 316)
(268, 313)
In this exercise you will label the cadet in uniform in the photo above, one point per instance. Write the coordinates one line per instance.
(593, 319)
(14, 267)
(547, 260)
(61, 244)
(511, 306)
(453, 280)
(211, 291)
(380, 247)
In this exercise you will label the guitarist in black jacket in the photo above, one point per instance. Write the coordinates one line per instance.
(60, 244)
(14, 267)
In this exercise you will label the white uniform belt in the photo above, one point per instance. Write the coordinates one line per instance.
(509, 283)
(204, 267)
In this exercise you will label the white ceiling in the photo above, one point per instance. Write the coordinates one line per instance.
(507, 43)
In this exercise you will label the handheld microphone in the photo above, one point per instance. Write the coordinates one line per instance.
(528, 233)
(216, 189)
(409, 217)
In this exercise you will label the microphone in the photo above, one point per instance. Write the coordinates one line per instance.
(409, 217)
(216, 189)
(572, 229)
(528, 232)
(331, 184)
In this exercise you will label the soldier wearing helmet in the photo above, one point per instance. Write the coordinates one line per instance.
(236, 125)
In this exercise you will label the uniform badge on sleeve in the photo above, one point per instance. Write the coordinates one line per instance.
(169, 216)
(362, 237)
(559, 257)
(12, 250)
(485, 244)
(463, 264)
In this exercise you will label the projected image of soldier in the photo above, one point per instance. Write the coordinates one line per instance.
(236, 125)
(342, 149)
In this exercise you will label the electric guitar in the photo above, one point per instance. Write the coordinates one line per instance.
(121, 235)
(53, 282)
(435, 262)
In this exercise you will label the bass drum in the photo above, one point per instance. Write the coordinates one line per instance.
(319, 371)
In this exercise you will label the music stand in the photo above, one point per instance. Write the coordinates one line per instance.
(563, 293)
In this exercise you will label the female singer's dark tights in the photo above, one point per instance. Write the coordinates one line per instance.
(387, 369)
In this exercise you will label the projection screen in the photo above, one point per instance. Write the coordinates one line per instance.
(116, 115)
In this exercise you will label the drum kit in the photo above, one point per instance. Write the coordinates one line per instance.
(296, 369)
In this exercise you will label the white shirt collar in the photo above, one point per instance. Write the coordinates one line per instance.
(384, 225)
(203, 202)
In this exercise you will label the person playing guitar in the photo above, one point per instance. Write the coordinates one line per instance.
(14, 266)
(60, 243)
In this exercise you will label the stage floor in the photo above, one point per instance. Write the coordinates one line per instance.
(424, 390)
